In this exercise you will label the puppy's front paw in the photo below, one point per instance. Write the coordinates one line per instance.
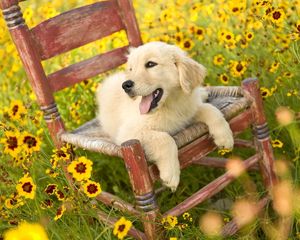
(170, 177)
(223, 137)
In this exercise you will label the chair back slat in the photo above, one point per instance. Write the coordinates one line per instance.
(87, 68)
(130, 22)
(76, 28)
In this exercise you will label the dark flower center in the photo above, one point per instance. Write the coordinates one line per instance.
(61, 153)
(80, 168)
(27, 187)
(225, 79)
(48, 202)
(15, 109)
(59, 212)
(235, 9)
(12, 143)
(228, 37)
(199, 32)
(187, 44)
(50, 189)
(30, 141)
(121, 228)
(60, 194)
(92, 188)
(276, 15)
(264, 93)
(239, 67)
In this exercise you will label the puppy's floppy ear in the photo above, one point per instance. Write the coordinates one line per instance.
(191, 73)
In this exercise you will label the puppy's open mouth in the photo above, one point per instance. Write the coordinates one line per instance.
(150, 101)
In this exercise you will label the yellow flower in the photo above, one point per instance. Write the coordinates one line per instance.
(91, 188)
(227, 36)
(64, 154)
(30, 143)
(277, 15)
(14, 201)
(121, 228)
(249, 36)
(224, 78)
(51, 173)
(277, 143)
(219, 59)
(28, 231)
(187, 44)
(12, 143)
(26, 187)
(223, 151)
(169, 222)
(16, 110)
(60, 211)
(274, 67)
(265, 92)
(186, 216)
(60, 195)
(81, 168)
(238, 68)
(50, 189)
(47, 203)
(198, 32)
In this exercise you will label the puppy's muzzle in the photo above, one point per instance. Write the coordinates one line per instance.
(127, 86)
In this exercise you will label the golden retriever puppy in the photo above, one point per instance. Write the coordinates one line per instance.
(159, 94)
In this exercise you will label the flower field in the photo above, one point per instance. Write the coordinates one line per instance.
(234, 40)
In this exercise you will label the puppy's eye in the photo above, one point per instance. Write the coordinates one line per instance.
(150, 64)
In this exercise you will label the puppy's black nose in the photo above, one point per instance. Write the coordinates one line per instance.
(127, 85)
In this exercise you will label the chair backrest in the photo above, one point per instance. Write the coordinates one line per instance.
(63, 33)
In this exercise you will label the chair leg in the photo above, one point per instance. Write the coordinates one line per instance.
(142, 185)
(252, 92)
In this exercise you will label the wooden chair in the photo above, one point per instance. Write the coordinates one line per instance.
(242, 107)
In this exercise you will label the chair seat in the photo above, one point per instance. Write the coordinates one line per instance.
(90, 136)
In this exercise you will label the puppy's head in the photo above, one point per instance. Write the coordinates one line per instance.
(157, 69)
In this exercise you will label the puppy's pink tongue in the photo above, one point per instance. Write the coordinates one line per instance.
(145, 104)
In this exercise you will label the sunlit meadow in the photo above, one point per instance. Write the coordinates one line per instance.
(234, 39)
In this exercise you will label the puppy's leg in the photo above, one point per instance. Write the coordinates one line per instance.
(161, 148)
(217, 125)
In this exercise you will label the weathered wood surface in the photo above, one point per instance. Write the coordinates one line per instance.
(142, 185)
(195, 151)
(8, 3)
(86, 69)
(33, 68)
(76, 27)
(114, 201)
(252, 91)
(130, 22)
(209, 190)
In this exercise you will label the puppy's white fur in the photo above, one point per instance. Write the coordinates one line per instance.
(180, 77)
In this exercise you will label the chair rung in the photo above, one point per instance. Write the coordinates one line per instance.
(114, 201)
(110, 221)
(209, 190)
(243, 143)
(218, 163)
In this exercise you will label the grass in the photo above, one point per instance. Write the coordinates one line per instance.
(234, 40)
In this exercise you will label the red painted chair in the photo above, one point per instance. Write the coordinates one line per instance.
(242, 106)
